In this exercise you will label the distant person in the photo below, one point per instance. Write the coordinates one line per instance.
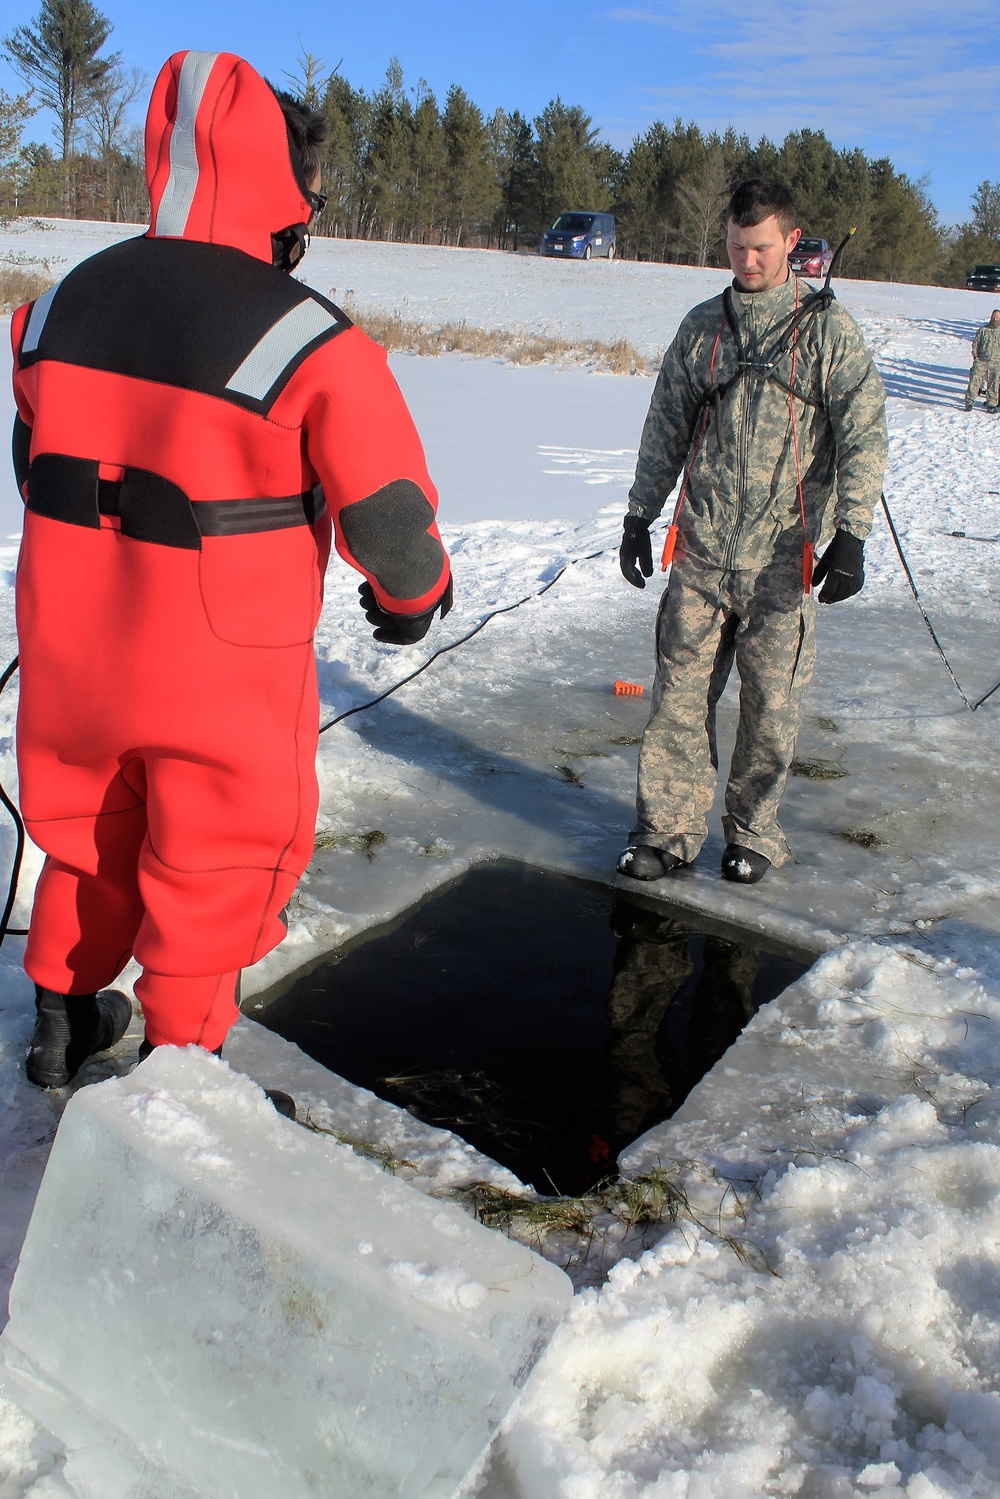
(985, 364)
(193, 427)
(769, 404)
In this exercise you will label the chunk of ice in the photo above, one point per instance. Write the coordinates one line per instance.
(212, 1300)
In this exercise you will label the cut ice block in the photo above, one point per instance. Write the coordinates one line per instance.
(212, 1300)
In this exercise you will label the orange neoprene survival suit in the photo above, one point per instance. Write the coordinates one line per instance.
(190, 422)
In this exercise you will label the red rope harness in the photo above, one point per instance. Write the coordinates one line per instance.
(670, 541)
(808, 549)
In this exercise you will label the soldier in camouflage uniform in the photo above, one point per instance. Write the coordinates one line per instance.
(770, 405)
(985, 365)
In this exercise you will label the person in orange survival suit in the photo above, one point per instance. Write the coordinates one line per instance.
(191, 420)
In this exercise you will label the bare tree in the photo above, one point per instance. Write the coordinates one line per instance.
(106, 115)
(132, 198)
(309, 83)
(702, 198)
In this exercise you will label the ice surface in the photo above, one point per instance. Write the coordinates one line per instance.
(689, 1375)
(248, 1310)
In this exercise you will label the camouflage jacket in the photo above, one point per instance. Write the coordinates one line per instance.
(742, 494)
(986, 345)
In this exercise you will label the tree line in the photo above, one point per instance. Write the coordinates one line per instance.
(400, 165)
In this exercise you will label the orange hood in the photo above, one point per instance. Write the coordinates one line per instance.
(219, 162)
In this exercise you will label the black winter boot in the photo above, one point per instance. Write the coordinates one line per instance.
(70, 1029)
(641, 861)
(743, 866)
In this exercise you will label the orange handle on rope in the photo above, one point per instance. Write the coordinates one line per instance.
(670, 541)
(808, 559)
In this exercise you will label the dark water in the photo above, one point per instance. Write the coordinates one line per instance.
(546, 1020)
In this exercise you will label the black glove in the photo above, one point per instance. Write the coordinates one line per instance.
(401, 629)
(843, 567)
(636, 548)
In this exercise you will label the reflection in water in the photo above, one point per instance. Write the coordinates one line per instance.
(660, 1046)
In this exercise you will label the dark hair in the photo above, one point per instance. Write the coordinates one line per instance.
(307, 130)
(757, 199)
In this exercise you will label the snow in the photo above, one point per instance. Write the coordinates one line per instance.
(824, 1321)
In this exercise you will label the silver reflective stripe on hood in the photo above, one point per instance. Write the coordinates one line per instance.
(36, 322)
(280, 345)
(182, 184)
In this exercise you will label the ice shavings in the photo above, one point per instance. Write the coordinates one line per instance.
(444, 1286)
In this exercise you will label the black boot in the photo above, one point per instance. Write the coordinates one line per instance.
(641, 861)
(284, 1103)
(70, 1029)
(742, 865)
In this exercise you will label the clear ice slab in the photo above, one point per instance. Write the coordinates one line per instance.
(214, 1301)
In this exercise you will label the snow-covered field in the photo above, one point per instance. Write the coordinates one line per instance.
(826, 1322)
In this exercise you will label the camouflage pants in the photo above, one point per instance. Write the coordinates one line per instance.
(983, 374)
(708, 620)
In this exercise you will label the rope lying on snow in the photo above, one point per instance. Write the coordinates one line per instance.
(443, 651)
(972, 707)
(590, 557)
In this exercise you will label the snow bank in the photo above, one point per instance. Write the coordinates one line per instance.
(823, 1318)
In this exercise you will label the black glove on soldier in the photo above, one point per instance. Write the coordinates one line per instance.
(636, 548)
(843, 567)
(401, 629)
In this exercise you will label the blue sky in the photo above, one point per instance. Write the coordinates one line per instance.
(918, 82)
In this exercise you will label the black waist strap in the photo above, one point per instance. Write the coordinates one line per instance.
(151, 508)
(244, 517)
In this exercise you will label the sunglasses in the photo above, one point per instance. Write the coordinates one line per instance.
(317, 201)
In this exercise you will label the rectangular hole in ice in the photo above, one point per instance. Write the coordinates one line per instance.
(546, 1020)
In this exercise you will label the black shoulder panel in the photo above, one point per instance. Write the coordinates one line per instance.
(183, 313)
(387, 535)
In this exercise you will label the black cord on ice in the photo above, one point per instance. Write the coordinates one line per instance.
(7, 930)
(15, 870)
(916, 597)
(453, 646)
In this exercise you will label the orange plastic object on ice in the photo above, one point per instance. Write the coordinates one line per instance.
(629, 689)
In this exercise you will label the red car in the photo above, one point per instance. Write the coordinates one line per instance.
(811, 257)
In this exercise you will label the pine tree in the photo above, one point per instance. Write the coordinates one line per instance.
(515, 172)
(977, 241)
(386, 161)
(569, 174)
(905, 239)
(345, 109)
(59, 61)
(428, 168)
(15, 111)
(470, 190)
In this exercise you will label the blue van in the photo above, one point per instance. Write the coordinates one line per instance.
(580, 236)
